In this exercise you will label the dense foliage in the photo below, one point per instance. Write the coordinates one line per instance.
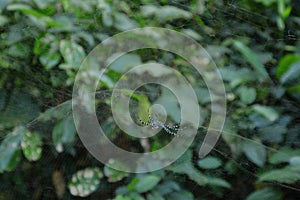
(255, 46)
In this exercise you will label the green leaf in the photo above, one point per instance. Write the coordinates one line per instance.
(292, 74)
(123, 22)
(85, 182)
(266, 194)
(268, 112)
(64, 131)
(9, 147)
(295, 161)
(285, 175)
(210, 162)
(125, 62)
(32, 146)
(112, 174)
(72, 53)
(218, 182)
(255, 152)
(253, 59)
(266, 2)
(184, 166)
(285, 63)
(57, 112)
(165, 13)
(50, 59)
(144, 183)
(284, 154)
(247, 95)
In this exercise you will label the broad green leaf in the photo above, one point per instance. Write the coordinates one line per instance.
(266, 194)
(253, 59)
(57, 112)
(112, 174)
(20, 108)
(268, 112)
(123, 22)
(165, 13)
(144, 183)
(50, 59)
(32, 146)
(247, 95)
(64, 131)
(285, 63)
(184, 165)
(255, 152)
(284, 154)
(72, 53)
(85, 182)
(210, 162)
(266, 2)
(284, 175)
(9, 147)
(273, 133)
(218, 182)
(295, 161)
(292, 74)
(124, 62)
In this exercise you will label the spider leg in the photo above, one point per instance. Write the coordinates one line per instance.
(168, 131)
(175, 127)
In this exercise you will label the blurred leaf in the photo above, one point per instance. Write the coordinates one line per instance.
(9, 147)
(284, 154)
(32, 146)
(184, 166)
(273, 133)
(266, 194)
(247, 95)
(295, 161)
(210, 162)
(253, 59)
(165, 13)
(284, 175)
(144, 183)
(292, 74)
(285, 63)
(58, 112)
(64, 131)
(255, 152)
(266, 2)
(212, 181)
(268, 112)
(124, 23)
(85, 181)
(112, 174)
(72, 53)
(124, 62)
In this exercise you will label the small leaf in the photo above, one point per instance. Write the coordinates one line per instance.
(265, 194)
(247, 95)
(283, 155)
(145, 183)
(253, 59)
(64, 131)
(9, 147)
(84, 182)
(72, 53)
(31, 146)
(255, 152)
(285, 175)
(292, 74)
(268, 112)
(113, 174)
(285, 63)
(210, 162)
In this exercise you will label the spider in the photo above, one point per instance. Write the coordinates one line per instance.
(155, 124)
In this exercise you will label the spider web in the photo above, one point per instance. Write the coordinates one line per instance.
(235, 13)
